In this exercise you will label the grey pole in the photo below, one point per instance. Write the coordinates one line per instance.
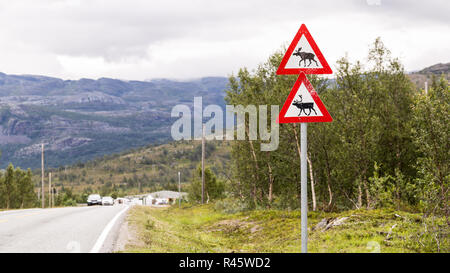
(303, 187)
(179, 190)
(203, 163)
(42, 176)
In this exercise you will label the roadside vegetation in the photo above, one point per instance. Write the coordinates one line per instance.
(388, 147)
(16, 189)
(379, 171)
(208, 228)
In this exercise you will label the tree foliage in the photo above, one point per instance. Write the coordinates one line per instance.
(370, 156)
(214, 188)
(16, 188)
(431, 129)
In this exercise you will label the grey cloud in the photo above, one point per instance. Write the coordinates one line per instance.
(121, 29)
(126, 31)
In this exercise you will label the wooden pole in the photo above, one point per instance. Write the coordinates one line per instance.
(53, 197)
(49, 190)
(42, 176)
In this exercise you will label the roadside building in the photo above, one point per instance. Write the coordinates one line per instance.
(121, 201)
(161, 198)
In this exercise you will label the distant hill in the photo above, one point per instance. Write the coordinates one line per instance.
(425, 75)
(78, 120)
(436, 69)
(143, 170)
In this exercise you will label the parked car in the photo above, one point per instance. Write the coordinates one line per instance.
(107, 201)
(94, 199)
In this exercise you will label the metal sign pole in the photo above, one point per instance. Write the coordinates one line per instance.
(42, 176)
(203, 163)
(179, 190)
(303, 186)
(303, 39)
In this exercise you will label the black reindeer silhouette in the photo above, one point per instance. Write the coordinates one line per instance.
(303, 106)
(305, 56)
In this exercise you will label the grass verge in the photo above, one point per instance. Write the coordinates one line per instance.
(204, 229)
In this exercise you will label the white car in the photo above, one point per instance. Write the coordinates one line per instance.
(107, 201)
(94, 199)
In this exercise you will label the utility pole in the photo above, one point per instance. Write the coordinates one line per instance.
(179, 190)
(203, 163)
(42, 175)
(49, 190)
(426, 88)
(53, 197)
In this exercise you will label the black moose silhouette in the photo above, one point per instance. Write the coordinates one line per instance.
(303, 106)
(305, 56)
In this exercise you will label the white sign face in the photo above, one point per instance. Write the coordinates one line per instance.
(303, 56)
(303, 105)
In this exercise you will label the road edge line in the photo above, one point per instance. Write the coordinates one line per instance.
(101, 239)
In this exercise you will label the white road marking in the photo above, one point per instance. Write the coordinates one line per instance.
(101, 239)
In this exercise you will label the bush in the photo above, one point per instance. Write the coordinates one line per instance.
(232, 205)
(214, 188)
(69, 203)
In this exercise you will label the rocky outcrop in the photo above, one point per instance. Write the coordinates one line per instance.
(57, 145)
(89, 98)
(12, 139)
(17, 127)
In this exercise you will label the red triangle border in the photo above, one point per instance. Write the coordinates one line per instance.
(282, 70)
(303, 79)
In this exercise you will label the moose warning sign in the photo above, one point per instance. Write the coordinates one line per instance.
(303, 104)
(303, 55)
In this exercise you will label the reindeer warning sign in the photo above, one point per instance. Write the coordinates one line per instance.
(303, 104)
(303, 55)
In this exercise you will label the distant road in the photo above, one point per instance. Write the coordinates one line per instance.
(71, 229)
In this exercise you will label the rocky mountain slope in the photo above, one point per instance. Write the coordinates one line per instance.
(82, 119)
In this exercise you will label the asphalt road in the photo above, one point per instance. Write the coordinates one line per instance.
(71, 229)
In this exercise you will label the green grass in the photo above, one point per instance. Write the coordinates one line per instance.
(204, 229)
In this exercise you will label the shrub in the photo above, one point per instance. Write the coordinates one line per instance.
(232, 205)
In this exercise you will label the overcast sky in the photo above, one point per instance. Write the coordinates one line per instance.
(180, 39)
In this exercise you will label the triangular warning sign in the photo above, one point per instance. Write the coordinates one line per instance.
(303, 55)
(303, 104)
